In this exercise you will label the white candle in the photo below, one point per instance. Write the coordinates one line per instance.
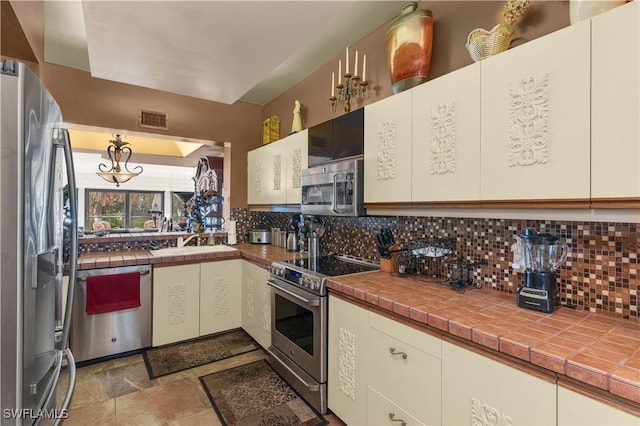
(364, 67)
(333, 84)
(347, 56)
(340, 71)
(355, 66)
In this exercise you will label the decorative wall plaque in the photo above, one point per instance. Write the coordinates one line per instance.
(221, 297)
(529, 121)
(443, 138)
(347, 363)
(249, 298)
(386, 150)
(296, 166)
(277, 172)
(176, 309)
(485, 415)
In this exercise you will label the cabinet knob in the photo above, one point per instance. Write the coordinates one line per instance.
(393, 352)
(393, 419)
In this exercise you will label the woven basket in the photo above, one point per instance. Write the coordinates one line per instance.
(482, 43)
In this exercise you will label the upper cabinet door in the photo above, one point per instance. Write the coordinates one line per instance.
(256, 189)
(615, 96)
(387, 149)
(446, 137)
(296, 149)
(535, 136)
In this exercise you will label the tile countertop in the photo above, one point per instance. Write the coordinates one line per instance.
(596, 349)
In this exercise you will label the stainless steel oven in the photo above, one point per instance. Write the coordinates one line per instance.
(299, 321)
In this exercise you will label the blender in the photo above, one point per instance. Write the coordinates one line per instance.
(543, 254)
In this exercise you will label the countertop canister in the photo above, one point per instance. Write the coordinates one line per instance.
(409, 44)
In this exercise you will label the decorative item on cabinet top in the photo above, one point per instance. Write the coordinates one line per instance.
(354, 85)
(585, 9)
(482, 43)
(409, 44)
(296, 124)
(270, 129)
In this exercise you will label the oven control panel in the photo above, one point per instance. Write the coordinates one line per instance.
(296, 277)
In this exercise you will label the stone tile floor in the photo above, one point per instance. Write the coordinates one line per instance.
(119, 392)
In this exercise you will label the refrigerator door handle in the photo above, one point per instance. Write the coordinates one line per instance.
(61, 139)
(62, 412)
(71, 363)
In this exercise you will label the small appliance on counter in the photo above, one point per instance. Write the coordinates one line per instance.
(259, 236)
(543, 254)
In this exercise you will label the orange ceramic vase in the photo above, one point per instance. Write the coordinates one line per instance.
(409, 43)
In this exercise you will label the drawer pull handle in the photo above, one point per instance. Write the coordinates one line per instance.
(393, 352)
(402, 422)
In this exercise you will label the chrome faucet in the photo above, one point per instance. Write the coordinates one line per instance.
(182, 242)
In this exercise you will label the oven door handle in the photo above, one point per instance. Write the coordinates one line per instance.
(292, 294)
(311, 387)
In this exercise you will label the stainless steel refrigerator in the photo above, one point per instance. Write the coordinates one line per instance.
(38, 226)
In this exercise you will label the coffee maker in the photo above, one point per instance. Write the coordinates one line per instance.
(543, 254)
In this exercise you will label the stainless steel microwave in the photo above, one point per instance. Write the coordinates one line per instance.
(333, 189)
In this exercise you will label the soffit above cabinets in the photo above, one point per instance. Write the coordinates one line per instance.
(222, 51)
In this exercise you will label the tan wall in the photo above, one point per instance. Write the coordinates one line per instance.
(91, 101)
(453, 21)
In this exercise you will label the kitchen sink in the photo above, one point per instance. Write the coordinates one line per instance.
(185, 251)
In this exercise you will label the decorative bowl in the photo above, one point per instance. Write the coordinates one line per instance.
(482, 43)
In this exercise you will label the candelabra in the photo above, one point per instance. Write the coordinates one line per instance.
(354, 85)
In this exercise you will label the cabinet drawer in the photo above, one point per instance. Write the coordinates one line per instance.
(403, 372)
(381, 411)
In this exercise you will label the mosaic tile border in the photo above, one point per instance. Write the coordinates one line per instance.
(600, 275)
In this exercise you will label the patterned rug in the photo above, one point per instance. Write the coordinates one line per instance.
(254, 394)
(176, 357)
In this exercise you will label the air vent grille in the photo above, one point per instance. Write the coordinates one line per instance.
(153, 120)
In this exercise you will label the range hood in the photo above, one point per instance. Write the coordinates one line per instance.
(339, 138)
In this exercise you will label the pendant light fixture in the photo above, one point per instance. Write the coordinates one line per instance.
(116, 174)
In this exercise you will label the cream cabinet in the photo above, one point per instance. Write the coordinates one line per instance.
(296, 149)
(405, 368)
(577, 409)
(535, 110)
(446, 138)
(380, 368)
(256, 303)
(195, 300)
(382, 411)
(387, 149)
(348, 352)
(176, 306)
(257, 189)
(615, 103)
(479, 390)
(273, 171)
(220, 293)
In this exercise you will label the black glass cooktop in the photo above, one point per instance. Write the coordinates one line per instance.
(332, 265)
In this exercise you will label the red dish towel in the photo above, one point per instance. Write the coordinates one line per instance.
(108, 293)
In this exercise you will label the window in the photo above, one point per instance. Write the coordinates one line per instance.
(121, 209)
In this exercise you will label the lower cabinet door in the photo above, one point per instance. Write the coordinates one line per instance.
(381, 411)
(577, 409)
(176, 307)
(403, 369)
(481, 391)
(219, 296)
(347, 381)
(256, 303)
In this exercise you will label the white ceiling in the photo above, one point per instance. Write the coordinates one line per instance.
(222, 51)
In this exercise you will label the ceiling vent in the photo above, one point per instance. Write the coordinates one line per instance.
(153, 120)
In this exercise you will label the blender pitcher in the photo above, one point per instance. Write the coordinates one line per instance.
(543, 254)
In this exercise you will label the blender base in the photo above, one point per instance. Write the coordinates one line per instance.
(535, 299)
